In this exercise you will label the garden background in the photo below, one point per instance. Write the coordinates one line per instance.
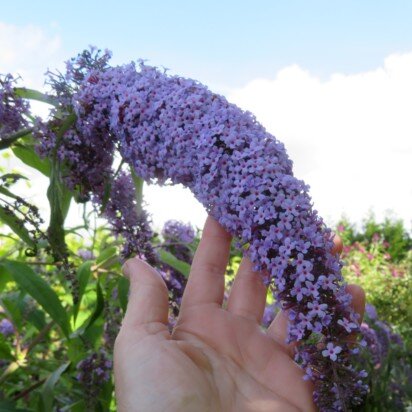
(331, 82)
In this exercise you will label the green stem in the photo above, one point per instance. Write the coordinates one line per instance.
(26, 391)
(138, 184)
(7, 141)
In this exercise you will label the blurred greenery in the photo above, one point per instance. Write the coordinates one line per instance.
(65, 297)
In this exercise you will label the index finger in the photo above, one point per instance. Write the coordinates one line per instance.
(206, 283)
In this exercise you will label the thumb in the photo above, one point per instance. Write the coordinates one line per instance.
(148, 299)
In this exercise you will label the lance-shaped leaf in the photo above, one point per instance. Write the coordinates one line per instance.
(138, 185)
(40, 291)
(16, 224)
(123, 286)
(98, 309)
(99, 306)
(12, 176)
(83, 276)
(56, 224)
(47, 394)
(28, 155)
(174, 262)
(10, 406)
(8, 140)
(32, 94)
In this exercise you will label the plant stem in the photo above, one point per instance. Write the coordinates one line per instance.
(29, 389)
(7, 141)
(138, 184)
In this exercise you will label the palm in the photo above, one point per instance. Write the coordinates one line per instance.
(252, 371)
(217, 358)
(214, 361)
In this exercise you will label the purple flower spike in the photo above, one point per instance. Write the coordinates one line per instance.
(174, 130)
(13, 109)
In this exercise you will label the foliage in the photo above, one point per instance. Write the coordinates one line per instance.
(385, 281)
(392, 232)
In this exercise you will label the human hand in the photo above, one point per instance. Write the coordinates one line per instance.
(216, 359)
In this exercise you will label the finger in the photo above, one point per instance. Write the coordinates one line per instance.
(148, 300)
(247, 296)
(278, 331)
(358, 304)
(338, 245)
(279, 326)
(206, 283)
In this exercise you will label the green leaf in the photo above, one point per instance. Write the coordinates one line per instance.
(28, 155)
(83, 276)
(78, 406)
(40, 291)
(175, 263)
(16, 224)
(138, 185)
(12, 176)
(94, 316)
(10, 303)
(5, 277)
(10, 406)
(66, 200)
(5, 352)
(47, 393)
(7, 193)
(123, 285)
(36, 95)
(99, 306)
(36, 317)
(105, 395)
(68, 122)
(108, 258)
(56, 225)
(106, 254)
(8, 140)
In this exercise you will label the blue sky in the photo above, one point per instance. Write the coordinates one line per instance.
(227, 43)
(330, 79)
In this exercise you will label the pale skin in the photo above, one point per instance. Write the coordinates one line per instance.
(218, 358)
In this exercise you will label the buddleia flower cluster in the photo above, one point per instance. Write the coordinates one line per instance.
(378, 336)
(92, 372)
(177, 237)
(88, 157)
(13, 109)
(173, 129)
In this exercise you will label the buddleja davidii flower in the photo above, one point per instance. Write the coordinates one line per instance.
(174, 128)
(88, 153)
(177, 238)
(92, 372)
(13, 109)
(378, 336)
(87, 150)
(176, 231)
(334, 378)
(127, 220)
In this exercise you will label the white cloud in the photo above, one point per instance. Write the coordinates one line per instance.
(28, 51)
(350, 137)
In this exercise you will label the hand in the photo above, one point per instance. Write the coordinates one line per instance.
(216, 359)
